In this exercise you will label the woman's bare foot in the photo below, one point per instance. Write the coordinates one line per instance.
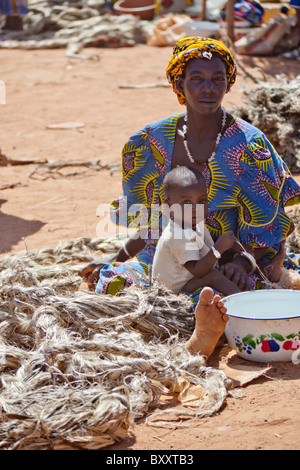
(211, 319)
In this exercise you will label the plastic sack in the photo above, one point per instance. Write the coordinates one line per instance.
(168, 29)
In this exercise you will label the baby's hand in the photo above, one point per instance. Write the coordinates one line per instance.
(225, 242)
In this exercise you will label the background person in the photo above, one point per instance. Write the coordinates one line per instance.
(14, 10)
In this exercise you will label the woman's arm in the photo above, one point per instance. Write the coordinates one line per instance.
(272, 268)
(239, 267)
(131, 248)
(133, 172)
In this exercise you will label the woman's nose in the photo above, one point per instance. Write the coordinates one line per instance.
(207, 85)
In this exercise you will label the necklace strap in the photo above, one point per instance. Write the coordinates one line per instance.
(185, 142)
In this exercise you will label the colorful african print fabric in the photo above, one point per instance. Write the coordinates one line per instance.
(295, 3)
(13, 7)
(194, 48)
(248, 187)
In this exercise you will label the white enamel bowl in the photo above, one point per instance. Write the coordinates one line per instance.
(264, 325)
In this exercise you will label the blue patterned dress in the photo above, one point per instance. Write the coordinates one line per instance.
(248, 187)
(13, 7)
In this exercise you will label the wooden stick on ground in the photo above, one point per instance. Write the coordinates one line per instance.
(5, 161)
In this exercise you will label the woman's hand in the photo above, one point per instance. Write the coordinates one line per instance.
(91, 272)
(236, 271)
(272, 268)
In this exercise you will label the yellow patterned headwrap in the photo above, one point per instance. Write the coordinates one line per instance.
(198, 47)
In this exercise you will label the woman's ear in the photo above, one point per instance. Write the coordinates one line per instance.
(228, 89)
(179, 84)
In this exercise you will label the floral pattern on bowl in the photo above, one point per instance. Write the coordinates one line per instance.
(267, 343)
(264, 325)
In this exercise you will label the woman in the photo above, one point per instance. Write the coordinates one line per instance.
(248, 183)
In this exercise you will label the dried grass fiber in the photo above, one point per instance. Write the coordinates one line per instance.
(274, 108)
(75, 25)
(77, 368)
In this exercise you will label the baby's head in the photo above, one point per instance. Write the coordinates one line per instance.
(185, 187)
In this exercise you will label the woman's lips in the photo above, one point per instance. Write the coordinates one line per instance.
(207, 101)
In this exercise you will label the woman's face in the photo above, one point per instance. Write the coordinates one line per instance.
(204, 84)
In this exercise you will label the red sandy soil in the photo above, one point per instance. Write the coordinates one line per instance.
(44, 88)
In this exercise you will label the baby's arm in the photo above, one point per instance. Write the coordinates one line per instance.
(201, 267)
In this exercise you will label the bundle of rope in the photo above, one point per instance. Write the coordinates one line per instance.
(74, 25)
(274, 107)
(78, 368)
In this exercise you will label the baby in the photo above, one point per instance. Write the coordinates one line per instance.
(186, 258)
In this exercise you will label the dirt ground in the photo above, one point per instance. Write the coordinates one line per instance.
(45, 88)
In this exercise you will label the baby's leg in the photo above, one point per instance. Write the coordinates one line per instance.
(214, 279)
